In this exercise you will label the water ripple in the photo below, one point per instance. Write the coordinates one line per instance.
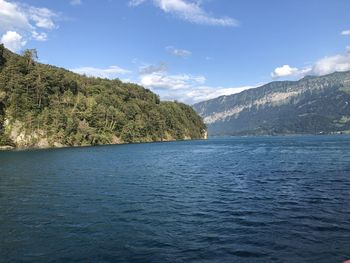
(257, 199)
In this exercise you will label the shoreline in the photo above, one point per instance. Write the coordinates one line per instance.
(8, 148)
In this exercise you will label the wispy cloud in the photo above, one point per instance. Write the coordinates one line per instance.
(206, 93)
(42, 36)
(190, 11)
(326, 65)
(150, 69)
(345, 33)
(198, 93)
(42, 17)
(182, 53)
(75, 2)
(110, 72)
(24, 22)
(136, 2)
(164, 81)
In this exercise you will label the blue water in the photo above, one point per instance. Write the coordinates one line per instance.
(262, 199)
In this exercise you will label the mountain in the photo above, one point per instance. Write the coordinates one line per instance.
(46, 106)
(312, 105)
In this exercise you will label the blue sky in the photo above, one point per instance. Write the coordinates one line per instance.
(182, 49)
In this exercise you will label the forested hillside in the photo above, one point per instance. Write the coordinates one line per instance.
(46, 106)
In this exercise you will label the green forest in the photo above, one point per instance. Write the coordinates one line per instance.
(45, 106)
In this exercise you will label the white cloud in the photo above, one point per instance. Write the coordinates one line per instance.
(326, 65)
(110, 72)
(28, 21)
(182, 53)
(345, 33)
(75, 2)
(340, 62)
(13, 41)
(190, 11)
(12, 18)
(284, 71)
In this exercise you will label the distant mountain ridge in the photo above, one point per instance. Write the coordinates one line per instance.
(312, 105)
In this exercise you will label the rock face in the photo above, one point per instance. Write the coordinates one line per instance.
(311, 105)
(22, 139)
(6, 148)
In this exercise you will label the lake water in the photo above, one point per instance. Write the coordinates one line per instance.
(254, 199)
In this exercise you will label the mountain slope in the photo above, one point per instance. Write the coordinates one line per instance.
(311, 105)
(45, 106)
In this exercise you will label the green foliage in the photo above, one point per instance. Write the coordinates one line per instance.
(71, 109)
(2, 58)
